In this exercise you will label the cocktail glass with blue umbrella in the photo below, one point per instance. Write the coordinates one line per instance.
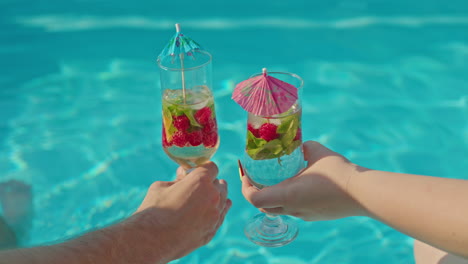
(189, 131)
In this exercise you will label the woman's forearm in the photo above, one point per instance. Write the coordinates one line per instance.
(131, 241)
(431, 209)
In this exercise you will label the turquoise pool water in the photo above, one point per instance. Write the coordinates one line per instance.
(386, 84)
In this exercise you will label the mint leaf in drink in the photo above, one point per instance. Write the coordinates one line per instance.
(253, 152)
(287, 123)
(167, 115)
(274, 146)
(189, 113)
(263, 154)
(293, 146)
(290, 133)
(254, 142)
(171, 130)
(265, 150)
(167, 122)
(175, 110)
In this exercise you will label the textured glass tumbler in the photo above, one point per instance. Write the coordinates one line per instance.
(273, 153)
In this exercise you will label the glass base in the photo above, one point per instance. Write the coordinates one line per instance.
(271, 231)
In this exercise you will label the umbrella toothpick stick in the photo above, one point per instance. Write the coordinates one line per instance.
(182, 67)
(179, 48)
(183, 76)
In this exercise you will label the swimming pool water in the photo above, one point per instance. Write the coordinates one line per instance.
(385, 84)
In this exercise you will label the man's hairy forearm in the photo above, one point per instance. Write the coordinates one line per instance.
(132, 241)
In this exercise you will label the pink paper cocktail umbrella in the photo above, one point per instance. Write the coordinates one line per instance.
(265, 95)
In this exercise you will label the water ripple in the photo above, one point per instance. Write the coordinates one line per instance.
(80, 23)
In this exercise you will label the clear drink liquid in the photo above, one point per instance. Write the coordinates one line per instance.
(269, 172)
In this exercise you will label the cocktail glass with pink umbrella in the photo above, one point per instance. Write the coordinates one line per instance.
(273, 148)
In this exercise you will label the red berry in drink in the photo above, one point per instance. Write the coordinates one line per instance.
(181, 122)
(195, 138)
(210, 140)
(210, 127)
(268, 131)
(254, 131)
(203, 116)
(179, 139)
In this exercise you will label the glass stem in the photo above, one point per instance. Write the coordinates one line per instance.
(272, 218)
(272, 225)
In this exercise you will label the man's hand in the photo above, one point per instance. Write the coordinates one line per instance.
(189, 210)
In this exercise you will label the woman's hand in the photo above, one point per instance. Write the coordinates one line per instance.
(319, 192)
